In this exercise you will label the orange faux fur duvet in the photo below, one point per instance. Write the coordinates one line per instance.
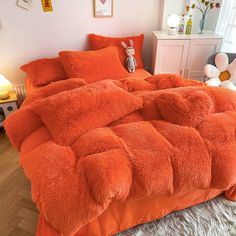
(84, 146)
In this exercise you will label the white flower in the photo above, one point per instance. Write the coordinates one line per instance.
(223, 74)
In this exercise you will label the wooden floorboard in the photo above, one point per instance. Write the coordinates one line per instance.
(18, 214)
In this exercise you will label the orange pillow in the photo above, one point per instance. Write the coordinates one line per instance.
(84, 108)
(44, 71)
(98, 42)
(93, 65)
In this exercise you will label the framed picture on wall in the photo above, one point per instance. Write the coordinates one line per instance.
(103, 8)
(26, 4)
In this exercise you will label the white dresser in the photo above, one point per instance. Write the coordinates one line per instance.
(183, 54)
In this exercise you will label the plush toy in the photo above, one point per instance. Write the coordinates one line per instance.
(222, 74)
(130, 60)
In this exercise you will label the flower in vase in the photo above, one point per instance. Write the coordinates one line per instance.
(205, 6)
(187, 8)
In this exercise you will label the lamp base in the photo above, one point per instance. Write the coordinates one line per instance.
(172, 31)
(4, 94)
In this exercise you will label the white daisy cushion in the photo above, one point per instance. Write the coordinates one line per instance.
(211, 71)
(228, 84)
(232, 67)
(222, 61)
(223, 74)
(214, 82)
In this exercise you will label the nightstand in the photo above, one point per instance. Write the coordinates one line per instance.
(7, 106)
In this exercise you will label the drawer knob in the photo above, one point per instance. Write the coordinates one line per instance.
(9, 108)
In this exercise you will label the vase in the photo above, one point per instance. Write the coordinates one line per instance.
(203, 23)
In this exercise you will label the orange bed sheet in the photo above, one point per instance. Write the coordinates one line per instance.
(121, 216)
(139, 73)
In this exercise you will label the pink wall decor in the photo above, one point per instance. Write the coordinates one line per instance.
(25, 4)
(103, 8)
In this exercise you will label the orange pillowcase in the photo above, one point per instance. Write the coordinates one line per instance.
(93, 65)
(44, 71)
(98, 42)
(82, 109)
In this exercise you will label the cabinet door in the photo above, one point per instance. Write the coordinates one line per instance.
(199, 52)
(170, 56)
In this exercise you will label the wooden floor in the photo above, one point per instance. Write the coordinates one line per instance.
(18, 215)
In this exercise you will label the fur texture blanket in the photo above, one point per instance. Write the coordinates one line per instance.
(85, 145)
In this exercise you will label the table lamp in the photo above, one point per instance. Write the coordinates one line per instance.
(5, 87)
(173, 23)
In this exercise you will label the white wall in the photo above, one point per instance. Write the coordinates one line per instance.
(27, 35)
(172, 7)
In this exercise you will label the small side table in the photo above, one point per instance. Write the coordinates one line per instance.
(7, 106)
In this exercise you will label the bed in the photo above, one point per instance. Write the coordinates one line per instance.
(121, 215)
(130, 213)
(109, 151)
(133, 212)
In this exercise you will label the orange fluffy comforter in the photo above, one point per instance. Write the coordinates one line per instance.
(86, 145)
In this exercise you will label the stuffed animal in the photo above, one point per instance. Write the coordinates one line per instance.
(222, 74)
(130, 60)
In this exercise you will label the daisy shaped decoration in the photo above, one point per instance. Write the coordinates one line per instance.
(222, 74)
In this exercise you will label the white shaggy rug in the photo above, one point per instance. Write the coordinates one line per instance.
(213, 218)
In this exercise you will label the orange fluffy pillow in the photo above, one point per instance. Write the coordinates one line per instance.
(82, 109)
(93, 65)
(44, 71)
(98, 42)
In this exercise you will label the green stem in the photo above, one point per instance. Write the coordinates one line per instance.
(200, 6)
(199, 9)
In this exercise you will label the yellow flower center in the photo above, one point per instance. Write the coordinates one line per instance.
(225, 75)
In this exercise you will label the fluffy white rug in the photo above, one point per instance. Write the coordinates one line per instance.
(213, 218)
